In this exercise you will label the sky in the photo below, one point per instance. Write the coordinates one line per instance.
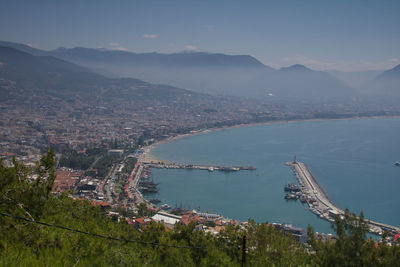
(349, 35)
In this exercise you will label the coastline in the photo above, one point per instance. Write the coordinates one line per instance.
(149, 157)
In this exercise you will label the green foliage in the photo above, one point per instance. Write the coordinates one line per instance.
(143, 211)
(129, 164)
(268, 246)
(21, 197)
(82, 161)
(103, 165)
(352, 247)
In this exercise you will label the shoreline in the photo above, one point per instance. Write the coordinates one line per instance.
(149, 157)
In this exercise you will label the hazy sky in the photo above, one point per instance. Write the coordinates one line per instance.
(345, 35)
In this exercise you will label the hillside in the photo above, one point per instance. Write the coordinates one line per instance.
(221, 74)
(211, 73)
(392, 74)
(355, 79)
(300, 82)
(69, 95)
(47, 73)
(387, 84)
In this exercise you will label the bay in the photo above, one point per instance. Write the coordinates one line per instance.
(352, 160)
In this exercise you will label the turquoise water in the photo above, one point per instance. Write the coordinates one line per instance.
(352, 160)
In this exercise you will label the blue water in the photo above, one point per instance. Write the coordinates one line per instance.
(352, 160)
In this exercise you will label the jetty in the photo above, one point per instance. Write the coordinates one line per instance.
(163, 165)
(319, 203)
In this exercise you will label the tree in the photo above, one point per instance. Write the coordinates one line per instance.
(352, 247)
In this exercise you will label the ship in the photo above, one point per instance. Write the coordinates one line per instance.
(290, 187)
(148, 183)
(148, 190)
(291, 196)
(303, 199)
(165, 206)
(178, 211)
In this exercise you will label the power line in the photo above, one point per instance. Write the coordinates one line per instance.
(96, 235)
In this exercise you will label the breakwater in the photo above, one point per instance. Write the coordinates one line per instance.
(210, 168)
(319, 203)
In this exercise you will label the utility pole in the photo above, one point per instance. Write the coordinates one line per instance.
(244, 251)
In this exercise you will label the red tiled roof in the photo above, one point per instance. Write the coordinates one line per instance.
(100, 203)
(143, 220)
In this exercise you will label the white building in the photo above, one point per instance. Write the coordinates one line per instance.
(166, 218)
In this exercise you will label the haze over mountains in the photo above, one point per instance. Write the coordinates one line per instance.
(50, 76)
(387, 83)
(221, 74)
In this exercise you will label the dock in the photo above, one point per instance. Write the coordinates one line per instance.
(163, 165)
(319, 203)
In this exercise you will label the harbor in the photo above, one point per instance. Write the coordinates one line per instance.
(311, 193)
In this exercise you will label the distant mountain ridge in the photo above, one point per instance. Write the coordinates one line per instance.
(295, 68)
(186, 59)
(392, 74)
(386, 84)
(189, 60)
(210, 73)
(355, 79)
(47, 75)
(298, 81)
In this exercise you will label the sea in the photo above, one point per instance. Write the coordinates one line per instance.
(352, 160)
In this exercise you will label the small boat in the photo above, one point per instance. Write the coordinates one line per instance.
(147, 190)
(165, 206)
(291, 196)
(177, 211)
(397, 163)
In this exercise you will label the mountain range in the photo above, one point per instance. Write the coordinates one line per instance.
(24, 75)
(220, 74)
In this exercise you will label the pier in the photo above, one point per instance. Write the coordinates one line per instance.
(163, 165)
(319, 202)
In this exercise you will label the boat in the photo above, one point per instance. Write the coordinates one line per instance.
(154, 200)
(228, 169)
(146, 190)
(165, 206)
(178, 211)
(148, 183)
(291, 197)
(397, 163)
(292, 187)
